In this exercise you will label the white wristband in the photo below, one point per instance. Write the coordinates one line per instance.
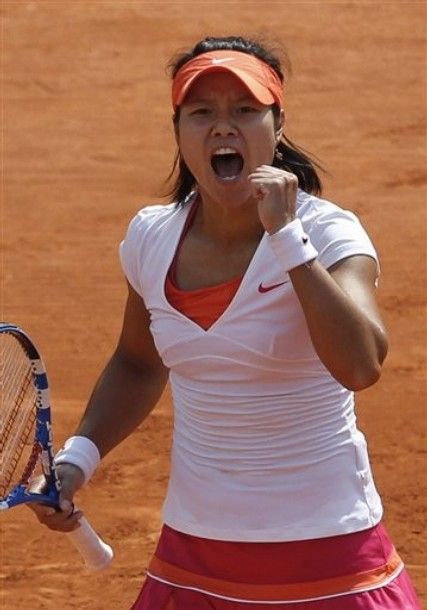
(292, 245)
(82, 452)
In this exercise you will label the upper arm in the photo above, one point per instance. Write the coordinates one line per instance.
(357, 276)
(136, 342)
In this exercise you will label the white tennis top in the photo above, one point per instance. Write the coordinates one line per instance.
(265, 443)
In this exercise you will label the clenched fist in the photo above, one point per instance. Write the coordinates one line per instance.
(276, 192)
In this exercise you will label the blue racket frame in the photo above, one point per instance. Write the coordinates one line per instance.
(96, 553)
(42, 444)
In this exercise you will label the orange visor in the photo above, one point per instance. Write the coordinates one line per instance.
(257, 76)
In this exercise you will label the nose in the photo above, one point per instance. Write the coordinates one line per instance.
(223, 126)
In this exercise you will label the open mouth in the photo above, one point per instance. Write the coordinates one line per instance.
(227, 163)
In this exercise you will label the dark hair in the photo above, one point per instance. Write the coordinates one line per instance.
(288, 156)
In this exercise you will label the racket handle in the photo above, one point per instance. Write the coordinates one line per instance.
(96, 553)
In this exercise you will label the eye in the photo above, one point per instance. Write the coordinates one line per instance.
(246, 109)
(201, 111)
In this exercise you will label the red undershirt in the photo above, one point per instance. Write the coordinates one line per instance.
(203, 305)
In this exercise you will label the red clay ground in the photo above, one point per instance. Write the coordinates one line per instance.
(87, 141)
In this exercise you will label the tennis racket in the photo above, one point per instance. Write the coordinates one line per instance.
(26, 448)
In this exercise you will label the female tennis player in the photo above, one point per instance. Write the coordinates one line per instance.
(256, 299)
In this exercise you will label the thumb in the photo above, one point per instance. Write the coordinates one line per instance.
(71, 479)
(66, 505)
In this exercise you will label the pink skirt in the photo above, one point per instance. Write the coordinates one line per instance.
(359, 571)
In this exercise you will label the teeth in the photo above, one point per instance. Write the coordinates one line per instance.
(225, 151)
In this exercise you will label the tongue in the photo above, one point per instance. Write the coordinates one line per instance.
(227, 166)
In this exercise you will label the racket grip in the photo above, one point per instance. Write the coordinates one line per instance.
(96, 553)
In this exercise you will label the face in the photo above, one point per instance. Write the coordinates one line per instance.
(223, 135)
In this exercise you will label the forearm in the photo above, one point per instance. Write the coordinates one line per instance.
(349, 341)
(123, 397)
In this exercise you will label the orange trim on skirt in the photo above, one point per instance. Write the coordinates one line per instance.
(330, 587)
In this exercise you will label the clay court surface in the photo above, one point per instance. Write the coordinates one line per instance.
(87, 141)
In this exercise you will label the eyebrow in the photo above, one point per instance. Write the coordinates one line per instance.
(202, 100)
(197, 100)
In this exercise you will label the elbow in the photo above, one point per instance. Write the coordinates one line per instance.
(368, 372)
(363, 378)
(359, 366)
(365, 372)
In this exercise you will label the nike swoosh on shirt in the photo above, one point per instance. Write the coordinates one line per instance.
(221, 60)
(262, 288)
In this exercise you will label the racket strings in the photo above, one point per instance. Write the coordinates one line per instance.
(18, 413)
(29, 469)
(10, 406)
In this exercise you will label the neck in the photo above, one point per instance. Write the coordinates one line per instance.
(226, 224)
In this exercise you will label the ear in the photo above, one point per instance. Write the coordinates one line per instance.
(279, 126)
(176, 132)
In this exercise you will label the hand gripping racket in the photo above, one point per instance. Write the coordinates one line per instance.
(26, 438)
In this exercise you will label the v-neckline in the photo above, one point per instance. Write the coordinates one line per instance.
(236, 296)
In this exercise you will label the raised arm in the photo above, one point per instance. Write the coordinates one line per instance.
(339, 304)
